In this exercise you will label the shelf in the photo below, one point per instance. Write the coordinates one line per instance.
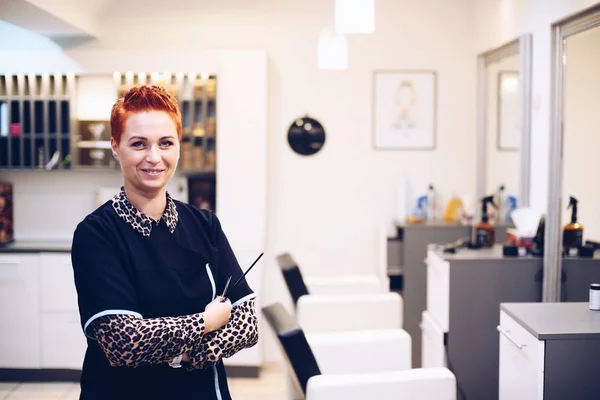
(94, 144)
(35, 120)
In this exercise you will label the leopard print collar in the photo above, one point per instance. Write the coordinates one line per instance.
(140, 221)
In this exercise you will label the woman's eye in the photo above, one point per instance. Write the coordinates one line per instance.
(137, 144)
(166, 143)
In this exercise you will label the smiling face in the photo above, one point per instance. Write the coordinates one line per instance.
(148, 151)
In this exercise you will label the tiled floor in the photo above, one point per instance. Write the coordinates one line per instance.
(270, 386)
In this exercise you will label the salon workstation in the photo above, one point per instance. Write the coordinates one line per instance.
(408, 187)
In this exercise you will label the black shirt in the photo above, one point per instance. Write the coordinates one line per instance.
(126, 263)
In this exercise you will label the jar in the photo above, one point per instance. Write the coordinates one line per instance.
(595, 296)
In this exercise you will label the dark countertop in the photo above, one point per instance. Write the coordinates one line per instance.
(442, 223)
(429, 224)
(37, 246)
(556, 321)
(495, 253)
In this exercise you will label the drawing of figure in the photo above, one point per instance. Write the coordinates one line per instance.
(406, 101)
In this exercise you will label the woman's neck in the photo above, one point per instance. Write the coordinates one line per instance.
(152, 204)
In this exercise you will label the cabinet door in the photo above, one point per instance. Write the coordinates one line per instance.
(19, 311)
(438, 289)
(63, 341)
(521, 362)
(432, 343)
(57, 289)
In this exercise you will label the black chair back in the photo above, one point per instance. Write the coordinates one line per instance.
(295, 346)
(292, 276)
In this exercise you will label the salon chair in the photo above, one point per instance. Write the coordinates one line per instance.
(336, 309)
(334, 313)
(355, 365)
(298, 285)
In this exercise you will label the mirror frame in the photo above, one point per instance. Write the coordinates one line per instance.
(561, 30)
(522, 47)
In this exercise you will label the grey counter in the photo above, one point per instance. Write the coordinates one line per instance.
(36, 247)
(556, 321)
(571, 336)
(481, 280)
(412, 249)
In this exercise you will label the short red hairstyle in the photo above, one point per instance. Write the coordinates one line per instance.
(143, 98)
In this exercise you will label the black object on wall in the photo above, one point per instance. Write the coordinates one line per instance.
(306, 136)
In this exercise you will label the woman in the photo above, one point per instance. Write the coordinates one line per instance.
(149, 271)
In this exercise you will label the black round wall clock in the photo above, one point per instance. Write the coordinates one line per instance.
(306, 136)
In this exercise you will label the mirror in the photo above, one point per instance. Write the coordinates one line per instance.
(580, 136)
(574, 144)
(504, 86)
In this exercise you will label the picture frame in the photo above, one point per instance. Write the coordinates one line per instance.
(404, 109)
(508, 115)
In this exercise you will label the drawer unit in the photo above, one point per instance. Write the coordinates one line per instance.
(438, 289)
(521, 362)
(432, 340)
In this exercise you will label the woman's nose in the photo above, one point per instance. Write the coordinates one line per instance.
(153, 155)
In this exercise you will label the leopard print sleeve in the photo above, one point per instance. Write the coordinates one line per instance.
(239, 333)
(128, 341)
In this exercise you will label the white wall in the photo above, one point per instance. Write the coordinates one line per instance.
(325, 208)
(96, 95)
(581, 140)
(498, 22)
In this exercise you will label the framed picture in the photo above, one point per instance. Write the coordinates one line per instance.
(509, 111)
(405, 107)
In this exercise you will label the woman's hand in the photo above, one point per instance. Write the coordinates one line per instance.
(216, 314)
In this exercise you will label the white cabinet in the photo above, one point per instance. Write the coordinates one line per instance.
(39, 318)
(432, 343)
(62, 340)
(435, 319)
(57, 287)
(253, 356)
(242, 192)
(521, 362)
(19, 311)
(438, 289)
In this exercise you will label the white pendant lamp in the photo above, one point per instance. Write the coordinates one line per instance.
(354, 16)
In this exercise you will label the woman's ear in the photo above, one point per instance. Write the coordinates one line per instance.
(115, 148)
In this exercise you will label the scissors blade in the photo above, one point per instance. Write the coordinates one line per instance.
(226, 287)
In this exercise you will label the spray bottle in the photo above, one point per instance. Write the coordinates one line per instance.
(484, 231)
(499, 201)
(573, 231)
(431, 204)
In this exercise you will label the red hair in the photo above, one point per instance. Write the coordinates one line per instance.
(143, 98)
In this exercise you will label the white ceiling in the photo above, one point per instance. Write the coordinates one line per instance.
(56, 19)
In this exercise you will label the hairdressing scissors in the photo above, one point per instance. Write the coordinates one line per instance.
(239, 279)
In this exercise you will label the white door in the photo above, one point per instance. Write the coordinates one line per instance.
(19, 311)
(63, 341)
(521, 362)
(432, 343)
